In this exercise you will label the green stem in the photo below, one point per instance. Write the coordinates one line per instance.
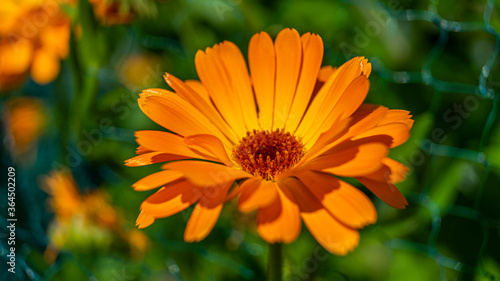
(275, 263)
(83, 103)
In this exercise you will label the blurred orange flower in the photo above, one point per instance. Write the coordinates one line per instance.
(65, 199)
(278, 137)
(110, 12)
(84, 215)
(25, 120)
(34, 37)
(137, 70)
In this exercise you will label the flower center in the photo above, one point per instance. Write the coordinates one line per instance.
(266, 154)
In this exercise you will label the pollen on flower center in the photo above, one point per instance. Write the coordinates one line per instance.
(268, 153)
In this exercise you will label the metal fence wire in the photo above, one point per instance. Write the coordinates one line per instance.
(485, 93)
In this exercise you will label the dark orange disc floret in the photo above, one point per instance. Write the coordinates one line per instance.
(268, 153)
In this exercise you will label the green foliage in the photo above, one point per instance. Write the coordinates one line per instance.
(427, 58)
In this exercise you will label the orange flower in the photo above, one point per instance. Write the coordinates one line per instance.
(109, 12)
(67, 202)
(65, 199)
(84, 216)
(278, 137)
(34, 37)
(136, 69)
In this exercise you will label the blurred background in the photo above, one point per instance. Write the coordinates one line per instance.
(70, 74)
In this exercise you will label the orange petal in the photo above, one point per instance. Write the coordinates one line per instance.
(56, 38)
(386, 191)
(236, 68)
(329, 95)
(156, 180)
(141, 150)
(168, 143)
(144, 220)
(288, 49)
(205, 213)
(398, 133)
(45, 67)
(172, 116)
(15, 57)
(256, 193)
(329, 232)
(215, 78)
(176, 114)
(392, 171)
(262, 63)
(392, 118)
(210, 145)
(354, 159)
(280, 221)
(352, 98)
(152, 158)
(234, 192)
(195, 85)
(367, 117)
(398, 171)
(366, 68)
(171, 199)
(156, 92)
(201, 222)
(398, 116)
(347, 104)
(203, 173)
(196, 94)
(326, 72)
(324, 140)
(312, 47)
(346, 203)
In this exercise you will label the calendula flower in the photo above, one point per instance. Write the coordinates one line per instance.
(111, 12)
(278, 137)
(83, 219)
(34, 37)
(65, 200)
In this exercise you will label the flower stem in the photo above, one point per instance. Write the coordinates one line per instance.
(275, 262)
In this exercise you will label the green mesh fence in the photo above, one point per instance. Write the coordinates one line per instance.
(485, 94)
